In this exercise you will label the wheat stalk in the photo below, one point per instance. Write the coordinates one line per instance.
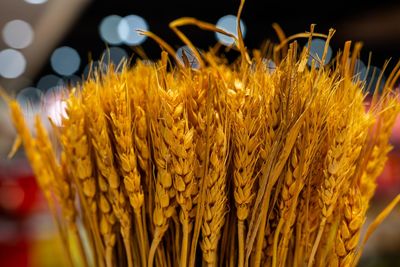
(121, 118)
(106, 172)
(215, 204)
(182, 147)
(349, 229)
(380, 148)
(247, 124)
(77, 149)
(62, 188)
(239, 164)
(340, 163)
(164, 204)
(44, 176)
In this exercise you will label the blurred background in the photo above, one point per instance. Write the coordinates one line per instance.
(47, 46)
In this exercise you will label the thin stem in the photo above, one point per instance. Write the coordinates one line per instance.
(185, 243)
(298, 246)
(135, 252)
(144, 224)
(284, 256)
(154, 244)
(141, 236)
(97, 241)
(109, 256)
(64, 240)
(287, 229)
(61, 231)
(275, 245)
(316, 243)
(98, 260)
(241, 243)
(260, 240)
(160, 256)
(232, 251)
(128, 248)
(81, 250)
(98, 246)
(176, 244)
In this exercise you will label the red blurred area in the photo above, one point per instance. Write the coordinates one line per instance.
(19, 195)
(389, 181)
(20, 200)
(15, 254)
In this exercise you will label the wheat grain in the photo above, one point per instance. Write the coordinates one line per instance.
(164, 204)
(106, 173)
(349, 229)
(116, 102)
(340, 163)
(76, 146)
(182, 147)
(251, 166)
(44, 176)
(247, 124)
(215, 207)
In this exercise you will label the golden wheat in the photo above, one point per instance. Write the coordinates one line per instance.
(229, 164)
(215, 204)
(106, 172)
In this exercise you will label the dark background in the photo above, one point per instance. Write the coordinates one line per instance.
(376, 23)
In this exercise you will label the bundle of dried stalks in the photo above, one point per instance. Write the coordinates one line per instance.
(225, 165)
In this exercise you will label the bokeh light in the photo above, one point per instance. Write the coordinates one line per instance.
(49, 81)
(194, 63)
(114, 55)
(109, 29)
(11, 196)
(30, 100)
(127, 29)
(12, 63)
(228, 23)
(36, 2)
(94, 67)
(17, 34)
(317, 51)
(360, 70)
(65, 60)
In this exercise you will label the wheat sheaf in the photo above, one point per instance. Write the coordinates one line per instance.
(229, 164)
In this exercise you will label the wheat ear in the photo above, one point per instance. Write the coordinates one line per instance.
(106, 172)
(61, 184)
(43, 175)
(121, 118)
(349, 229)
(215, 202)
(340, 164)
(164, 205)
(183, 154)
(246, 140)
(76, 145)
(115, 104)
(387, 111)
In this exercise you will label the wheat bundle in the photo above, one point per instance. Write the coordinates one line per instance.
(224, 165)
